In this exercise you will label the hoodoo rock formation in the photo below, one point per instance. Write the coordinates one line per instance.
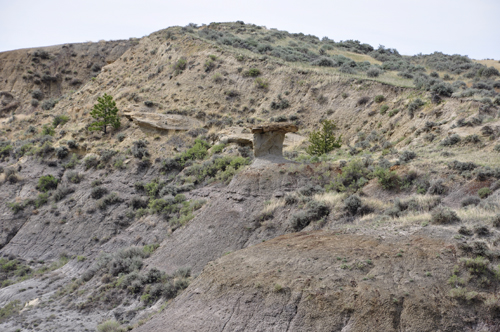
(268, 141)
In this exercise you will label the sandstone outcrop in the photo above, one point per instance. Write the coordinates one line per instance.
(243, 136)
(163, 121)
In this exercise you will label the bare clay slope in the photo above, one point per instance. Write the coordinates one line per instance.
(322, 281)
(233, 218)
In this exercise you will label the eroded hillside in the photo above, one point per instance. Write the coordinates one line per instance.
(167, 224)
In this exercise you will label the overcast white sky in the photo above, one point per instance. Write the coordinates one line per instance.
(467, 27)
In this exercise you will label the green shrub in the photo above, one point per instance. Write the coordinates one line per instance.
(16, 207)
(60, 120)
(197, 151)
(41, 199)
(354, 176)
(379, 98)
(180, 65)
(150, 248)
(252, 72)
(6, 150)
(11, 309)
(119, 162)
(217, 78)
(393, 112)
(218, 148)
(72, 162)
(46, 183)
(153, 188)
(48, 130)
(387, 179)
(383, 109)
(484, 192)
(478, 265)
(261, 83)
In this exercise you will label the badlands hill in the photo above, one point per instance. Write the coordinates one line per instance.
(169, 223)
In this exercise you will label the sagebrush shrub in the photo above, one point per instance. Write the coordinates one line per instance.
(74, 177)
(373, 72)
(363, 100)
(62, 192)
(443, 215)
(315, 210)
(437, 187)
(470, 200)
(139, 149)
(252, 72)
(98, 192)
(407, 156)
(352, 204)
(451, 140)
(62, 152)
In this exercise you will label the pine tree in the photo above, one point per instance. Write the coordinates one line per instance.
(106, 113)
(324, 140)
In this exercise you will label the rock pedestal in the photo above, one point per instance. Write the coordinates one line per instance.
(268, 139)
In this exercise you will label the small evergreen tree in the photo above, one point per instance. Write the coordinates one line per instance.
(324, 140)
(106, 113)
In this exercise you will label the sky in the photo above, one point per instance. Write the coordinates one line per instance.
(466, 27)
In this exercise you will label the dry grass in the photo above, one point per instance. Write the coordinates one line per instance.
(376, 204)
(355, 56)
(272, 206)
(425, 202)
(477, 213)
(471, 153)
(412, 218)
(332, 199)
